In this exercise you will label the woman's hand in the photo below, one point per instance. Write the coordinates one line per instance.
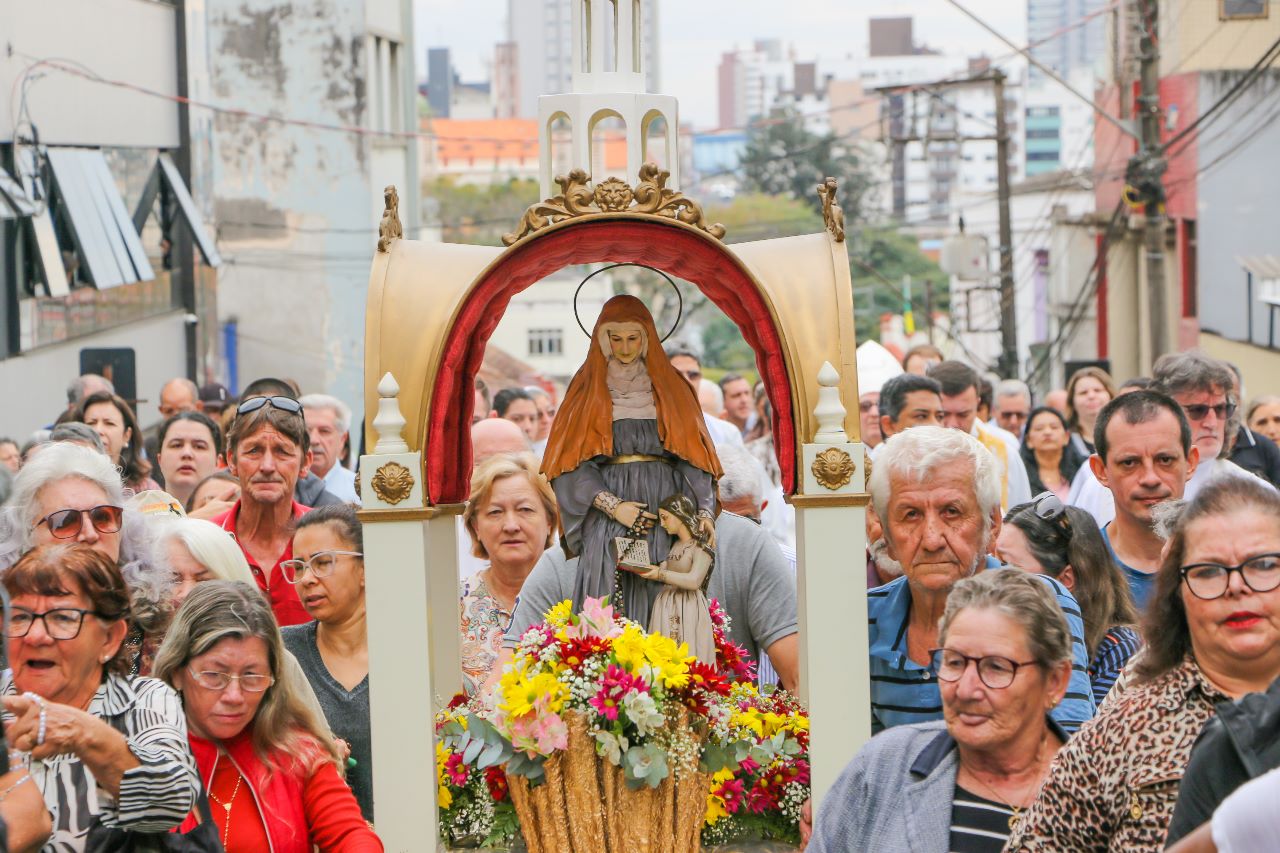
(63, 726)
(24, 811)
(628, 513)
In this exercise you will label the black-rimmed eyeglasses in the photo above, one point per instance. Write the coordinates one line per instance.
(994, 671)
(61, 623)
(1211, 580)
(284, 404)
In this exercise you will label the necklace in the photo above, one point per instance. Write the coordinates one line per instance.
(1017, 810)
(226, 828)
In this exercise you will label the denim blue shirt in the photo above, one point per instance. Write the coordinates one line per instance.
(904, 692)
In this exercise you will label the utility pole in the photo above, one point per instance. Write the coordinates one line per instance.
(1146, 174)
(928, 307)
(1008, 306)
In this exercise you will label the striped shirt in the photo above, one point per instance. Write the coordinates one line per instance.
(978, 825)
(154, 796)
(903, 691)
(1113, 653)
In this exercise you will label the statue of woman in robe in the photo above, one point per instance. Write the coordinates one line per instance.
(629, 434)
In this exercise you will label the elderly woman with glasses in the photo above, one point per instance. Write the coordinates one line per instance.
(1046, 538)
(333, 650)
(263, 755)
(1213, 635)
(108, 752)
(1003, 662)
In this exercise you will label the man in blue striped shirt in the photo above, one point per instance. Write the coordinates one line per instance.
(937, 493)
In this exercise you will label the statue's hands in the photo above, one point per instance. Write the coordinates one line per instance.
(628, 513)
(707, 527)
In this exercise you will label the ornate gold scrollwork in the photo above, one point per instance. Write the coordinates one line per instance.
(392, 483)
(613, 195)
(832, 213)
(833, 468)
(390, 228)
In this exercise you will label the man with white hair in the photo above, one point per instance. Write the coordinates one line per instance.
(937, 493)
(1011, 407)
(329, 425)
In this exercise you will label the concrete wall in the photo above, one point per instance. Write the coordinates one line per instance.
(298, 207)
(40, 377)
(128, 40)
(1198, 40)
(1237, 190)
(1260, 366)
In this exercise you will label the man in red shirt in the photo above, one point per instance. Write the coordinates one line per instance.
(268, 450)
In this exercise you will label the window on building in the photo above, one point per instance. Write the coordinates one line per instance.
(386, 110)
(1239, 10)
(546, 342)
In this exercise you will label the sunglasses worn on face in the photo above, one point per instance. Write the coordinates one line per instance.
(284, 404)
(1200, 411)
(67, 523)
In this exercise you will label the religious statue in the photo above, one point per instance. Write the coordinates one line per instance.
(681, 611)
(628, 435)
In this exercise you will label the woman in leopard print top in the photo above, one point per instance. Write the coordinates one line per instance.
(1213, 635)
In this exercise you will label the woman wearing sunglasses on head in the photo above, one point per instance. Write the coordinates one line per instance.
(107, 751)
(1213, 635)
(271, 771)
(1046, 538)
(961, 783)
(328, 570)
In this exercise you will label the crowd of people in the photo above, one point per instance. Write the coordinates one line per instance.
(1063, 595)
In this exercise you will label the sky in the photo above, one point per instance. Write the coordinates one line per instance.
(695, 34)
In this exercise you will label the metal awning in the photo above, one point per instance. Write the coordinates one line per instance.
(166, 175)
(96, 217)
(14, 201)
(1263, 267)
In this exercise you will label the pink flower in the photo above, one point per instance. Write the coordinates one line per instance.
(595, 620)
(456, 770)
(542, 734)
(614, 687)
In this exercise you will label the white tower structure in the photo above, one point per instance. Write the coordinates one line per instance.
(609, 82)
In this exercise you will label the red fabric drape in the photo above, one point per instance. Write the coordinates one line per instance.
(671, 249)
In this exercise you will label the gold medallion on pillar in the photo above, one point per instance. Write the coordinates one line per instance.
(833, 468)
(392, 483)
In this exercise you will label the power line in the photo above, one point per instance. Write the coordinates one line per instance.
(1216, 110)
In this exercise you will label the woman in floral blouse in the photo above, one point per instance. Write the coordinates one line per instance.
(511, 518)
(1213, 635)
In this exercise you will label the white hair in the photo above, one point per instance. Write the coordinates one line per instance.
(713, 391)
(919, 452)
(1013, 388)
(210, 545)
(743, 475)
(324, 401)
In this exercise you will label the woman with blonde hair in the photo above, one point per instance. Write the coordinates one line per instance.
(263, 754)
(512, 518)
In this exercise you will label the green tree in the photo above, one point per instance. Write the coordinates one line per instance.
(472, 213)
(878, 259)
(782, 158)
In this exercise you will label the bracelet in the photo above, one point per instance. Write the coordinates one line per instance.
(7, 791)
(44, 716)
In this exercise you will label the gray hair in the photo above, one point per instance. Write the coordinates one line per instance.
(78, 388)
(77, 432)
(743, 475)
(1013, 388)
(1175, 373)
(918, 452)
(1165, 516)
(1020, 597)
(1258, 402)
(535, 391)
(185, 383)
(325, 401)
(709, 387)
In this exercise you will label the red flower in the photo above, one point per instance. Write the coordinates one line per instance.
(496, 779)
(458, 701)
(574, 653)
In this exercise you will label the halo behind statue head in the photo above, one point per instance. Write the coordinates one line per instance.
(670, 281)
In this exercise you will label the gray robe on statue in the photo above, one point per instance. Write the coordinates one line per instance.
(589, 532)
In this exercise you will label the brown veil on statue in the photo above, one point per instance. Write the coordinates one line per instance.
(628, 435)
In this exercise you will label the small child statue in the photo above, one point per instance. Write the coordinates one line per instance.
(681, 611)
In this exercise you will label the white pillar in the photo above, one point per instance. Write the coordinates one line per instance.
(596, 49)
(406, 633)
(624, 24)
(831, 590)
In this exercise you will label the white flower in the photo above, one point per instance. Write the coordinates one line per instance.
(642, 712)
(612, 746)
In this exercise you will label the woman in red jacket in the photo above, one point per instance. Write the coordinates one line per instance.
(268, 763)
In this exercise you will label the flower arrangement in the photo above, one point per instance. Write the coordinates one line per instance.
(761, 794)
(475, 804)
(612, 738)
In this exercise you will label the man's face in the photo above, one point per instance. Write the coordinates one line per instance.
(935, 528)
(327, 440)
(1012, 412)
(546, 415)
(1208, 412)
(922, 408)
(869, 414)
(268, 465)
(177, 397)
(960, 411)
(10, 457)
(738, 401)
(1145, 464)
(524, 414)
(689, 369)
